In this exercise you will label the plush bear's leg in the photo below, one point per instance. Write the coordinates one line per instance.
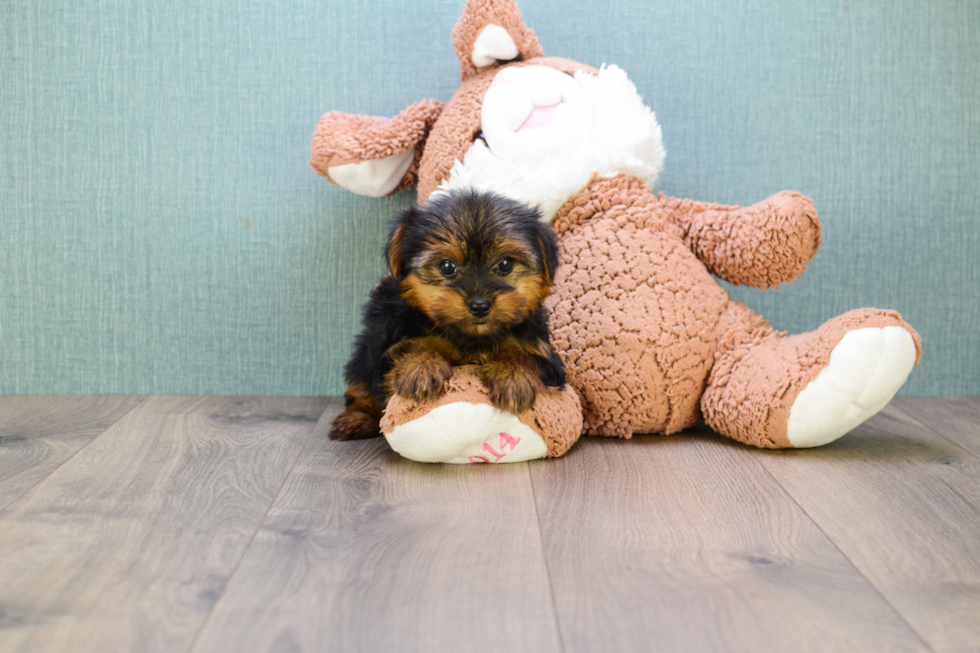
(774, 391)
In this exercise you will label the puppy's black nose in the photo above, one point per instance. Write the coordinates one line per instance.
(479, 306)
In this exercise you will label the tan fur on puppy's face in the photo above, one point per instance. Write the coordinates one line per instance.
(473, 252)
(443, 305)
(446, 304)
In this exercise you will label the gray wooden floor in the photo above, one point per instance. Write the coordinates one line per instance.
(233, 524)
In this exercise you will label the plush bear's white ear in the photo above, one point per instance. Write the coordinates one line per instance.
(490, 32)
(372, 155)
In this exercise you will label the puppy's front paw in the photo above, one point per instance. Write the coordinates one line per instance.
(513, 389)
(420, 376)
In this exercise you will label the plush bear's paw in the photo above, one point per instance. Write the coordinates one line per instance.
(866, 369)
(374, 178)
(464, 427)
(420, 376)
(797, 216)
(463, 432)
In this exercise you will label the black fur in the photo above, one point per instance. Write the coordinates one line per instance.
(388, 319)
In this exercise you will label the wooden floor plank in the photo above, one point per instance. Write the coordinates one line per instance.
(127, 546)
(903, 504)
(685, 543)
(955, 418)
(366, 551)
(39, 432)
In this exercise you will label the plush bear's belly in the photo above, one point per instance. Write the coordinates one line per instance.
(633, 313)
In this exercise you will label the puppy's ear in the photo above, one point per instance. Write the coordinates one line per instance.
(548, 249)
(396, 241)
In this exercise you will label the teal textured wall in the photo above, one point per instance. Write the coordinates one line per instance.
(160, 230)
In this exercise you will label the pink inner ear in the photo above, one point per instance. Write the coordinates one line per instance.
(540, 117)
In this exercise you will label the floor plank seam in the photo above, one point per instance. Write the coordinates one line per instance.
(544, 558)
(331, 401)
(934, 431)
(846, 557)
(69, 458)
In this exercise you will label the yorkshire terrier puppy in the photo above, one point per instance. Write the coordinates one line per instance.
(468, 273)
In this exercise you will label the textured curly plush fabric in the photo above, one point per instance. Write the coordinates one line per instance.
(644, 330)
(633, 311)
(342, 138)
(556, 416)
(650, 339)
(762, 246)
(758, 373)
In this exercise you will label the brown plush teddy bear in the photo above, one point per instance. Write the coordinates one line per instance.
(650, 341)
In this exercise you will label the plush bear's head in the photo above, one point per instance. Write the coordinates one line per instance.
(532, 128)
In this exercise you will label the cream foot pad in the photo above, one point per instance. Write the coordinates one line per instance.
(866, 369)
(464, 427)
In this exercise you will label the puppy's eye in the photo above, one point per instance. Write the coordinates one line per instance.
(505, 266)
(448, 268)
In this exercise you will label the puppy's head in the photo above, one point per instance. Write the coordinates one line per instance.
(474, 262)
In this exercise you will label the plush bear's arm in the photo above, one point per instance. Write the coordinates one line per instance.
(762, 245)
(373, 155)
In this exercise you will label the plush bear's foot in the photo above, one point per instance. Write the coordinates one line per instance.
(461, 432)
(774, 391)
(866, 369)
(463, 426)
